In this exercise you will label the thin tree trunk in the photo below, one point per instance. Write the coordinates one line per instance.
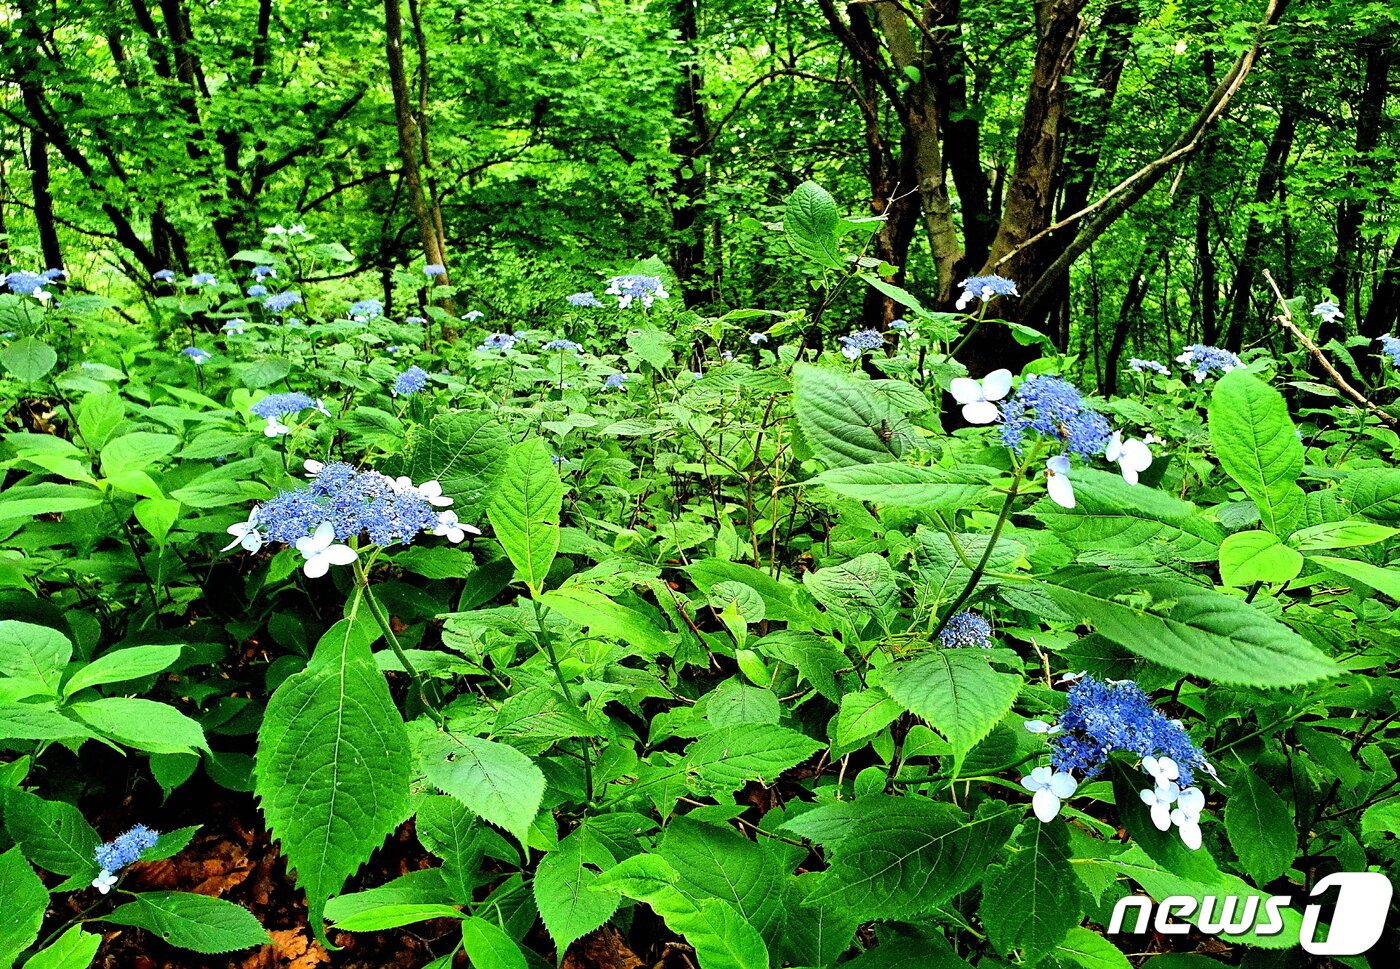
(43, 201)
(688, 179)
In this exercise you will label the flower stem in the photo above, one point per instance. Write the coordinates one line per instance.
(362, 580)
(547, 641)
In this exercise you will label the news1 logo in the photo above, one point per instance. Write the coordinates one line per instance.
(1358, 917)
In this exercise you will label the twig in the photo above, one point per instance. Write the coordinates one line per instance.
(1287, 320)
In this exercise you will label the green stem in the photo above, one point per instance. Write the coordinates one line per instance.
(547, 641)
(362, 580)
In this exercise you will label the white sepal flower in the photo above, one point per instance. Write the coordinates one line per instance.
(1040, 726)
(276, 428)
(976, 396)
(1057, 483)
(1132, 456)
(246, 534)
(104, 881)
(321, 551)
(1162, 769)
(1187, 816)
(313, 468)
(1049, 787)
(1160, 799)
(453, 530)
(431, 492)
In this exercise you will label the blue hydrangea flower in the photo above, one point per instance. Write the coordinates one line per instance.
(49, 275)
(1390, 346)
(264, 272)
(415, 320)
(632, 288)
(1142, 366)
(236, 327)
(366, 308)
(498, 341)
(757, 338)
(410, 381)
(899, 324)
(563, 345)
(281, 301)
(434, 269)
(860, 341)
(276, 405)
(984, 288)
(196, 355)
(616, 381)
(258, 289)
(164, 275)
(582, 299)
(1052, 407)
(966, 629)
(1203, 359)
(473, 316)
(124, 850)
(1327, 311)
(26, 283)
(203, 279)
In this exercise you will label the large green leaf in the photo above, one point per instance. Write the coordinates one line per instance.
(809, 223)
(333, 763)
(73, 950)
(190, 921)
(1374, 493)
(722, 938)
(461, 451)
(123, 664)
(1032, 903)
(35, 651)
(52, 834)
(157, 728)
(604, 617)
(845, 422)
(1260, 827)
(23, 899)
(1109, 513)
(1188, 627)
(563, 887)
(906, 486)
(898, 857)
(956, 691)
(28, 359)
(1257, 556)
(718, 862)
(726, 759)
(494, 780)
(524, 510)
(857, 591)
(1258, 446)
(1384, 581)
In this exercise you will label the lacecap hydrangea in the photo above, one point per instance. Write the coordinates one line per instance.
(1203, 360)
(966, 629)
(123, 850)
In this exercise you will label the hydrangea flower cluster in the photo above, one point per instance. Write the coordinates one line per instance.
(1327, 311)
(342, 502)
(859, 342)
(1116, 715)
(563, 345)
(984, 288)
(235, 327)
(410, 381)
(1142, 366)
(582, 299)
(1203, 359)
(279, 301)
(365, 309)
(32, 284)
(966, 629)
(258, 289)
(117, 854)
(499, 341)
(1390, 346)
(757, 338)
(203, 279)
(434, 269)
(164, 275)
(196, 355)
(274, 406)
(633, 288)
(264, 272)
(1053, 407)
(616, 381)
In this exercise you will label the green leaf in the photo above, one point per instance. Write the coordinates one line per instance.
(393, 916)
(25, 503)
(453, 833)
(1258, 446)
(136, 452)
(718, 862)
(1343, 534)
(99, 416)
(809, 223)
(1260, 827)
(488, 947)
(956, 691)
(726, 759)
(143, 724)
(1384, 581)
(198, 922)
(52, 834)
(333, 764)
(524, 510)
(121, 665)
(1031, 904)
(1257, 556)
(863, 714)
(30, 360)
(857, 591)
(845, 422)
(1374, 493)
(720, 935)
(38, 721)
(494, 780)
(461, 451)
(905, 486)
(264, 372)
(1109, 513)
(73, 950)
(604, 617)
(1188, 627)
(157, 516)
(1092, 951)
(563, 887)
(37, 651)
(23, 899)
(899, 857)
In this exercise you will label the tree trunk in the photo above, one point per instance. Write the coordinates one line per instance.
(43, 201)
(689, 146)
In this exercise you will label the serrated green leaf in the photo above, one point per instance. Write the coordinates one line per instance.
(1188, 627)
(956, 691)
(394, 916)
(604, 617)
(73, 950)
(1258, 446)
(809, 223)
(144, 724)
(524, 510)
(1091, 950)
(23, 900)
(1384, 581)
(905, 486)
(30, 360)
(1260, 827)
(845, 422)
(1109, 513)
(494, 780)
(30, 650)
(333, 764)
(726, 759)
(1257, 556)
(1031, 904)
(190, 921)
(863, 714)
(52, 834)
(1374, 493)
(563, 887)
(487, 947)
(123, 664)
